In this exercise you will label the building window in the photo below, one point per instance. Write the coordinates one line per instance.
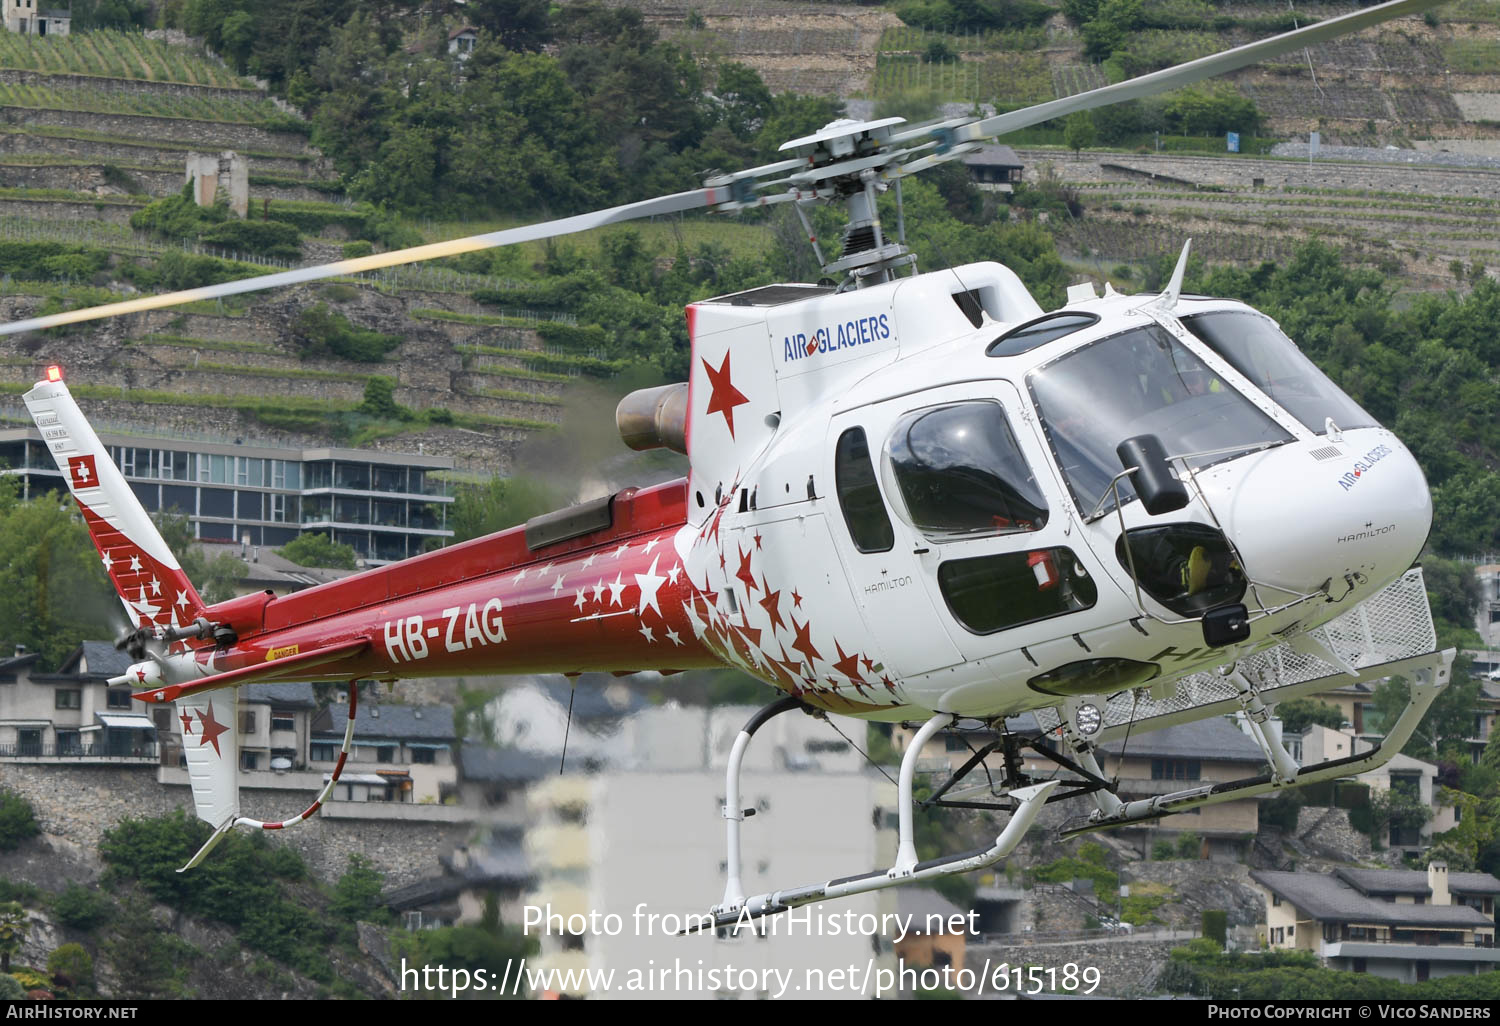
(249, 760)
(69, 700)
(247, 723)
(385, 753)
(1360, 965)
(424, 755)
(68, 743)
(119, 698)
(323, 751)
(1275, 901)
(1176, 769)
(283, 721)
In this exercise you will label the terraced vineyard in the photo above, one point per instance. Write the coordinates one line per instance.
(1419, 225)
(112, 54)
(252, 108)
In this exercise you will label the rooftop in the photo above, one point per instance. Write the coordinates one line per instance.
(1326, 896)
(395, 722)
(993, 155)
(1414, 881)
(502, 765)
(1214, 739)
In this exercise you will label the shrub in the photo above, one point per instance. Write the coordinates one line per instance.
(321, 333)
(81, 908)
(356, 897)
(357, 248)
(1162, 851)
(266, 238)
(17, 821)
(11, 989)
(72, 968)
(317, 549)
(1189, 846)
(1215, 925)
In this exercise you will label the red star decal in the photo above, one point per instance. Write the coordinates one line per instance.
(187, 724)
(889, 685)
(725, 396)
(869, 666)
(211, 730)
(772, 605)
(757, 539)
(744, 574)
(804, 643)
(141, 676)
(723, 563)
(751, 633)
(796, 599)
(848, 665)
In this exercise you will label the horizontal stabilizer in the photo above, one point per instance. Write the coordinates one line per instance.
(276, 669)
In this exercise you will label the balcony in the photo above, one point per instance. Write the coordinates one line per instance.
(144, 754)
(1471, 953)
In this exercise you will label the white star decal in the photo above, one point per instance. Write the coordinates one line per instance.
(144, 606)
(519, 577)
(155, 586)
(135, 564)
(557, 585)
(615, 588)
(108, 562)
(622, 550)
(581, 599)
(590, 561)
(649, 584)
(698, 625)
(181, 599)
(651, 545)
(672, 573)
(646, 633)
(673, 636)
(599, 591)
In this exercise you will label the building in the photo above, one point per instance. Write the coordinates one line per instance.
(645, 838)
(477, 881)
(1406, 925)
(1182, 756)
(29, 18)
(938, 933)
(386, 506)
(461, 42)
(265, 569)
(539, 714)
(73, 715)
(994, 168)
(401, 753)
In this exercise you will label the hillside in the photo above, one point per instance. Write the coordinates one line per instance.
(96, 126)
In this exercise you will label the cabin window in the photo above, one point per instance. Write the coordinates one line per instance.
(1039, 332)
(1141, 382)
(859, 495)
(992, 593)
(1254, 346)
(961, 473)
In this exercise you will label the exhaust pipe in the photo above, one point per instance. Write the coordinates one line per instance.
(655, 418)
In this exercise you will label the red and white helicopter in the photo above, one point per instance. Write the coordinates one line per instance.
(913, 497)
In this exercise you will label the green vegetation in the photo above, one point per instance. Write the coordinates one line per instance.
(356, 897)
(72, 970)
(113, 54)
(1297, 714)
(249, 110)
(17, 821)
(1203, 970)
(82, 908)
(1216, 926)
(974, 15)
(244, 886)
(471, 948)
(317, 549)
(13, 924)
(499, 503)
(321, 333)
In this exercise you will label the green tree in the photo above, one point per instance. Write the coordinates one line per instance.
(17, 821)
(1079, 132)
(1297, 714)
(380, 400)
(356, 897)
(81, 908)
(499, 503)
(317, 549)
(71, 966)
(13, 926)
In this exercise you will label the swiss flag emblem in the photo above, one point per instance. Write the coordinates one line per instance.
(83, 472)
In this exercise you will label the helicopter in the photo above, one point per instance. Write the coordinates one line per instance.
(912, 498)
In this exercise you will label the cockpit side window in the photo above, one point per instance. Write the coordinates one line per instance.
(859, 495)
(962, 475)
(1256, 348)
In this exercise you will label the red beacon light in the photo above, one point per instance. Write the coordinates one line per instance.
(54, 373)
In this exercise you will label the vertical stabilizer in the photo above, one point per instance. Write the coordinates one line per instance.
(148, 578)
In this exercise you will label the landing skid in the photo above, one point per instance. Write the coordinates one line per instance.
(736, 908)
(1428, 676)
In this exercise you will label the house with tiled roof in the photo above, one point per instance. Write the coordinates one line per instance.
(401, 753)
(1407, 925)
(73, 714)
(1206, 751)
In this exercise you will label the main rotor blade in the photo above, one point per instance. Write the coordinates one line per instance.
(697, 199)
(1192, 71)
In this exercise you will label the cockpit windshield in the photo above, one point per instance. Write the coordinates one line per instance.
(1256, 348)
(1140, 382)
